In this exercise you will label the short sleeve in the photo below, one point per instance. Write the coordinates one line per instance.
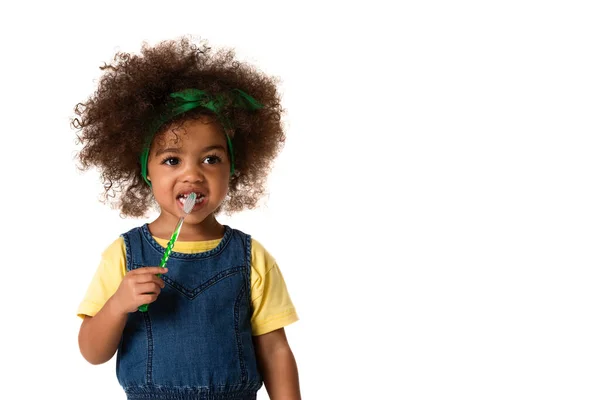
(106, 280)
(272, 305)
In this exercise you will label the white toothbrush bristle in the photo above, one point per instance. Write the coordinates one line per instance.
(189, 203)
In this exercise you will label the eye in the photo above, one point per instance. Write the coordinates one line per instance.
(171, 161)
(212, 159)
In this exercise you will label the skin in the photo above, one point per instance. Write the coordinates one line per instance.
(193, 157)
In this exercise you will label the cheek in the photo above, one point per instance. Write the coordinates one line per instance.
(218, 179)
(160, 191)
(224, 184)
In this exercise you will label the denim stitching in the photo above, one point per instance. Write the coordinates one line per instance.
(127, 252)
(189, 394)
(243, 369)
(248, 267)
(192, 294)
(150, 347)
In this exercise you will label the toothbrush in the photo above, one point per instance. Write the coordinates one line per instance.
(187, 208)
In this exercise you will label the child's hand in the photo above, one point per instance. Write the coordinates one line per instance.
(140, 286)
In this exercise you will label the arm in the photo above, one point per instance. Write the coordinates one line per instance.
(278, 366)
(99, 336)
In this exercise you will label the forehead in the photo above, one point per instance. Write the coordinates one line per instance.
(200, 132)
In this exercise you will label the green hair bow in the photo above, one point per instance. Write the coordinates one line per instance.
(188, 99)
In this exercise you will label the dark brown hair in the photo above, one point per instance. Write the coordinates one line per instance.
(113, 123)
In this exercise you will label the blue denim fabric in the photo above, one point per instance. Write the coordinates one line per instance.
(195, 341)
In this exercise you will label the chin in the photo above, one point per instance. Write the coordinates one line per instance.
(196, 218)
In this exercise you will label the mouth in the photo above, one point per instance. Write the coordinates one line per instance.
(182, 197)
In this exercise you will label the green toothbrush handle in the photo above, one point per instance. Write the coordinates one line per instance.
(163, 262)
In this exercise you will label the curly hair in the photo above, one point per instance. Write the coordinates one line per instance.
(113, 123)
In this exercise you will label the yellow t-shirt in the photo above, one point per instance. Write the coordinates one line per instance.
(271, 303)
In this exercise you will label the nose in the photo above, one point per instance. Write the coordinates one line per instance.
(192, 173)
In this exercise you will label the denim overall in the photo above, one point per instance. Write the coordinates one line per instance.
(195, 340)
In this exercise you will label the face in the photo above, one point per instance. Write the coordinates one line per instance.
(191, 158)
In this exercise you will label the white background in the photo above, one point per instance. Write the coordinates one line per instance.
(435, 211)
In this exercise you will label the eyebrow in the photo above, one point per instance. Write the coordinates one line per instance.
(167, 150)
(177, 150)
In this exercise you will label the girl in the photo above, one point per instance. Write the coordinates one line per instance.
(175, 120)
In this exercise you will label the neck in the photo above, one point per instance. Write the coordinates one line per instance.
(191, 231)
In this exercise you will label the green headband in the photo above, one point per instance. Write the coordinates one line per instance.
(188, 99)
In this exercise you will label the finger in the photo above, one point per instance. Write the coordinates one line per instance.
(148, 288)
(148, 298)
(158, 281)
(149, 270)
(149, 278)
